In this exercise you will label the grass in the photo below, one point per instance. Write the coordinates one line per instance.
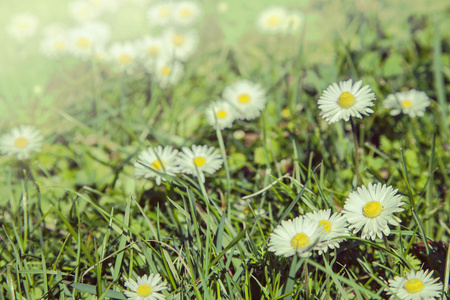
(76, 222)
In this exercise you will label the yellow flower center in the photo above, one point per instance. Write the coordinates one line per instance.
(178, 40)
(185, 12)
(83, 42)
(59, 45)
(157, 165)
(300, 240)
(274, 20)
(406, 103)
(153, 51)
(144, 290)
(372, 209)
(326, 225)
(21, 142)
(222, 114)
(164, 12)
(346, 100)
(23, 26)
(199, 161)
(414, 286)
(166, 70)
(244, 98)
(124, 59)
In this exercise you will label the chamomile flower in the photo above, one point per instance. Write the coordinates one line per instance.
(221, 112)
(272, 19)
(182, 43)
(371, 209)
(54, 45)
(343, 100)
(331, 226)
(160, 14)
(293, 22)
(247, 97)
(123, 56)
(145, 288)
(186, 13)
(167, 72)
(415, 286)
(22, 26)
(159, 159)
(21, 141)
(85, 38)
(83, 11)
(199, 160)
(152, 49)
(412, 103)
(296, 236)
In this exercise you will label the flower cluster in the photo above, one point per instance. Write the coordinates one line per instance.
(159, 163)
(243, 100)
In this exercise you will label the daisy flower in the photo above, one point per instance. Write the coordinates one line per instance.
(371, 209)
(415, 286)
(54, 45)
(412, 103)
(21, 141)
(123, 56)
(161, 13)
(186, 13)
(182, 43)
(83, 11)
(151, 49)
(222, 113)
(83, 39)
(293, 22)
(344, 100)
(247, 97)
(202, 158)
(272, 19)
(296, 236)
(146, 288)
(22, 26)
(159, 159)
(331, 226)
(167, 72)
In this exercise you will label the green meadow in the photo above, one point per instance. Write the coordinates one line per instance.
(77, 223)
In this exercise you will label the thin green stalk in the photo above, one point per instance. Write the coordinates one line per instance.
(355, 140)
(227, 168)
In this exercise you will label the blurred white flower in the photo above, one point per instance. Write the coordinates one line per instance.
(412, 103)
(272, 19)
(123, 56)
(187, 13)
(182, 43)
(168, 72)
(247, 97)
(83, 39)
(221, 112)
(161, 13)
(293, 22)
(151, 49)
(22, 26)
(159, 159)
(21, 141)
(83, 11)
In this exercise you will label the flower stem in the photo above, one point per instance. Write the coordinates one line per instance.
(355, 140)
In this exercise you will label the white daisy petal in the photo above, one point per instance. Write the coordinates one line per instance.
(201, 159)
(371, 209)
(412, 103)
(146, 288)
(21, 141)
(415, 285)
(340, 102)
(153, 161)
